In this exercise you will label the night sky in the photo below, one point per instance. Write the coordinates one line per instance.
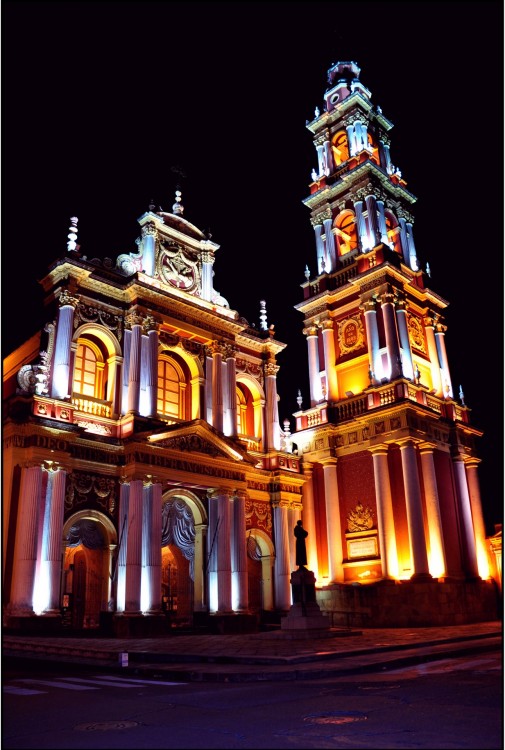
(109, 105)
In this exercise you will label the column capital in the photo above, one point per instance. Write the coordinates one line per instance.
(327, 324)
(149, 324)
(66, 299)
(407, 443)
(231, 351)
(471, 462)
(149, 230)
(217, 347)
(149, 480)
(369, 305)
(133, 319)
(271, 369)
(426, 447)
(382, 449)
(207, 256)
(328, 462)
(310, 331)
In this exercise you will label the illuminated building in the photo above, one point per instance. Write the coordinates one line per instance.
(145, 469)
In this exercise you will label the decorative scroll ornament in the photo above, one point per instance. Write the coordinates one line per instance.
(351, 334)
(178, 527)
(66, 298)
(360, 519)
(88, 488)
(92, 314)
(416, 334)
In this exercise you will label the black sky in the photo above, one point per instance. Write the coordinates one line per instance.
(106, 103)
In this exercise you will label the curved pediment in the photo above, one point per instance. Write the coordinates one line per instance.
(198, 436)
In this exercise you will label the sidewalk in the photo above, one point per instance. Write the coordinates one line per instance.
(262, 656)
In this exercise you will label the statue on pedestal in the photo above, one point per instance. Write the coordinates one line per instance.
(301, 552)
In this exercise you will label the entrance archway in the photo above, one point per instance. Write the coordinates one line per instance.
(184, 524)
(89, 539)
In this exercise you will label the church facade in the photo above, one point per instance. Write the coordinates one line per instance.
(148, 482)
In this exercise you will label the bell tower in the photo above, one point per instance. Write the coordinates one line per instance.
(393, 493)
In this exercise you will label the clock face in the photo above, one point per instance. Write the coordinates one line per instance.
(176, 272)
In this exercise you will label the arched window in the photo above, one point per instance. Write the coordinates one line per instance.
(171, 388)
(393, 231)
(347, 236)
(373, 148)
(90, 370)
(340, 147)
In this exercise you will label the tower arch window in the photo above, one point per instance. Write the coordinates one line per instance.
(172, 388)
(340, 148)
(373, 148)
(347, 236)
(393, 231)
(90, 370)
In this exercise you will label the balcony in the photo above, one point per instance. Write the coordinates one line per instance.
(377, 397)
(95, 407)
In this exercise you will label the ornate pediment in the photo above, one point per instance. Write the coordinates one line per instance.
(198, 437)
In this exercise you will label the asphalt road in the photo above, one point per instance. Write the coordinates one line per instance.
(451, 703)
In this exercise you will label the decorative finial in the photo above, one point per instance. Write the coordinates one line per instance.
(263, 316)
(299, 399)
(72, 236)
(428, 269)
(317, 112)
(287, 428)
(178, 208)
(417, 374)
(152, 205)
(462, 395)
(307, 273)
(313, 174)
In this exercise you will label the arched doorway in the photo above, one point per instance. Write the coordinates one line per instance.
(86, 577)
(184, 523)
(260, 560)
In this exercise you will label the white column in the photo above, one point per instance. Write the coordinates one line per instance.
(213, 540)
(224, 553)
(413, 502)
(385, 513)
(52, 539)
(383, 230)
(281, 568)
(442, 356)
(149, 235)
(412, 248)
(207, 263)
(469, 549)
(404, 241)
(208, 387)
(320, 160)
(387, 156)
(231, 407)
(438, 567)
(134, 549)
(401, 319)
(392, 343)
(321, 264)
(331, 254)
(273, 433)
(151, 547)
(309, 519)
(479, 527)
(240, 594)
(152, 372)
(351, 139)
(372, 337)
(333, 525)
(373, 226)
(126, 370)
(124, 506)
(363, 242)
(314, 376)
(330, 361)
(135, 361)
(25, 552)
(436, 375)
(328, 157)
(61, 385)
(217, 386)
(144, 355)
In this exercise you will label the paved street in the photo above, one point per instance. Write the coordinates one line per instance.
(447, 703)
